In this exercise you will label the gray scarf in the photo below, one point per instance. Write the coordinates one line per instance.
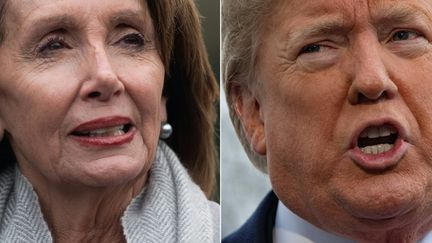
(171, 208)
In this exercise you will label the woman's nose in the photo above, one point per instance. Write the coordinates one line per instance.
(102, 83)
(371, 81)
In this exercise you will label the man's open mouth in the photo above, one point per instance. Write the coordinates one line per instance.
(379, 146)
(377, 139)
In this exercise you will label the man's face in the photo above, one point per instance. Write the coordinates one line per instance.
(342, 108)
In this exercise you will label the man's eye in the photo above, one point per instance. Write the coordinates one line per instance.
(404, 35)
(135, 39)
(310, 49)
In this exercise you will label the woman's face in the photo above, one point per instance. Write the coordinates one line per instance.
(343, 111)
(81, 89)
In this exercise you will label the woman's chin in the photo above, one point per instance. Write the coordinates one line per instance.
(110, 171)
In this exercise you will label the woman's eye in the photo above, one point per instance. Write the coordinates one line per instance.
(310, 49)
(135, 39)
(52, 45)
(404, 35)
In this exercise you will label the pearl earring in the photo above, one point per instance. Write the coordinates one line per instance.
(165, 131)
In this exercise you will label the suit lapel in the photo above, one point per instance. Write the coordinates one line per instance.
(259, 227)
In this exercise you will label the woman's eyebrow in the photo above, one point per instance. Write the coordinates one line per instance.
(66, 21)
(131, 17)
(46, 24)
(54, 22)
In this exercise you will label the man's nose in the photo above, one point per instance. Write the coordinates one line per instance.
(102, 83)
(371, 81)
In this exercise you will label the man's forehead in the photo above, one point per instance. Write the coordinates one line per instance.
(346, 14)
(315, 8)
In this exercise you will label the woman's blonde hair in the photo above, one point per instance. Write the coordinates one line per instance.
(190, 87)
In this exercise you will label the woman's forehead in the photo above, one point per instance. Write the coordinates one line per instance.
(24, 13)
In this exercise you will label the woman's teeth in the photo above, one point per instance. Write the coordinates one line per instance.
(105, 132)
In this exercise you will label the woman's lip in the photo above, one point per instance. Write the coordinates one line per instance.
(103, 122)
(103, 140)
(381, 161)
(106, 141)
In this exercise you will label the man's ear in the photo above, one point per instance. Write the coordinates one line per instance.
(249, 111)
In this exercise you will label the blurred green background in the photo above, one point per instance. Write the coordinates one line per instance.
(210, 15)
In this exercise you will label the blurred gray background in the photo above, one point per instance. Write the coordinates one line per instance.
(242, 186)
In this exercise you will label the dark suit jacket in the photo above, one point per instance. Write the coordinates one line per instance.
(259, 227)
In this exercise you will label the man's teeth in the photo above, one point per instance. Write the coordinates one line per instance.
(377, 149)
(107, 132)
(377, 139)
(375, 132)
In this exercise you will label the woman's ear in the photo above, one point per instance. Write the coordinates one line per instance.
(248, 109)
(163, 110)
(2, 129)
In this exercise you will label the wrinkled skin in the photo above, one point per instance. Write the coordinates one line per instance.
(65, 63)
(324, 69)
(47, 93)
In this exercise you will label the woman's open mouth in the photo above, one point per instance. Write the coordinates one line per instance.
(379, 147)
(107, 131)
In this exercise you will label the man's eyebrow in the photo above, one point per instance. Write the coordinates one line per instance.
(397, 15)
(335, 26)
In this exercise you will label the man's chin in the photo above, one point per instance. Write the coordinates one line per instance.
(381, 200)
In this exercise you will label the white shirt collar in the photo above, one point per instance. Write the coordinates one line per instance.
(291, 228)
